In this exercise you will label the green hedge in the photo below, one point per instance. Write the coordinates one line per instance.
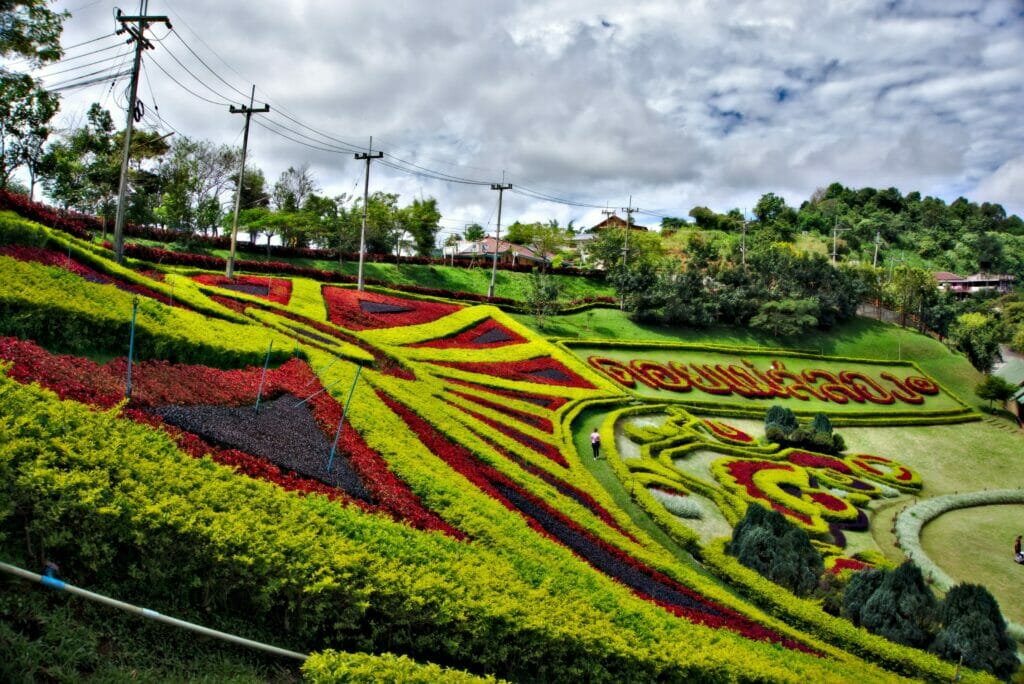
(336, 666)
(124, 512)
(56, 308)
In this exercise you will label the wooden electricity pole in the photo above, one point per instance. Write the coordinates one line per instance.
(138, 35)
(248, 111)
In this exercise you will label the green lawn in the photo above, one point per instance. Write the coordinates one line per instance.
(976, 545)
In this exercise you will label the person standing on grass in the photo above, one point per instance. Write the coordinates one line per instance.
(595, 442)
(1017, 556)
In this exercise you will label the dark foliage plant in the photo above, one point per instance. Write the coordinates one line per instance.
(768, 543)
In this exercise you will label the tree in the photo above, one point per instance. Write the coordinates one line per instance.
(83, 171)
(779, 550)
(786, 317)
(902, 608)
(25, 113)
(474, 233)
(542, 296)
(421, 219)
(973, 628)
(907, 289)
(977, 335)
(30, 30)
(994, 388)
(862, 585)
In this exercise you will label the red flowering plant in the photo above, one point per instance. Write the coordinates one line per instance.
(278, 290)
(544, 370)
(52, 258)
(160, 384)
(486, 334)
(362, 310)
(644, 581)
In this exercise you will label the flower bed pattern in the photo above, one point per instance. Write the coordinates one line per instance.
(544, 370)
(362, 310)
(158, 384)
(278, 290)
(823, 494)
(644, 581)
(51, 258)
(484, 335)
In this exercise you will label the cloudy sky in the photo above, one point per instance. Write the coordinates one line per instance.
(676, 103)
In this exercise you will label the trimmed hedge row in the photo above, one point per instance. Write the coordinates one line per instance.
(124, 511)
(59, 309)
(330, 666)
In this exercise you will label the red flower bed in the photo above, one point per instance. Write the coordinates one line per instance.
(840, 564)
(485, 335)
(643, 580)
(544, 370)
(361, 310)
(51, 258)
(728, 432)
(809, 460)
(277, 290)
(537, 422)
(743, 473)
(545, 449)
(752, 383)
(545, 401)
(159, 383)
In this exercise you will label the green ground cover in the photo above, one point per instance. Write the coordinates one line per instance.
(976, 545)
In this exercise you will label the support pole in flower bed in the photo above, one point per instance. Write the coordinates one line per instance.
(263, 376)
(131, 349)
(341, 423)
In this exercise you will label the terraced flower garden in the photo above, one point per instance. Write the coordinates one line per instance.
(367, 472)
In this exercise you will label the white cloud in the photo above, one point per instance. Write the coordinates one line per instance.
(677, 104)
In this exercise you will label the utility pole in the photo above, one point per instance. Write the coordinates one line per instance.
(625, 245)
(248, 111)
(138, 34)
(501, 188)
(743, 243)
(835, 238)
(368, 155)
(878, 238)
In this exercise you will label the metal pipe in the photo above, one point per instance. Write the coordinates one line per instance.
(60, 585)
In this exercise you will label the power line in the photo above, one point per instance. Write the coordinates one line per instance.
(186, 88)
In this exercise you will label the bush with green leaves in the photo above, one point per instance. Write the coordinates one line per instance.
(768, 543)
(901, 608)
(973, 628)
(781, 426)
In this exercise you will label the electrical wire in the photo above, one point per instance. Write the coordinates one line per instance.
(186, 88)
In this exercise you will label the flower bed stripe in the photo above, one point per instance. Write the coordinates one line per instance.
(486, 334)
(362, 310)
(543, 370)
(536, 422)
(278, 290)
(546, 449)
(643, 580)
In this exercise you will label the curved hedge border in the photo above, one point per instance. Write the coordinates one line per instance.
(911, 520)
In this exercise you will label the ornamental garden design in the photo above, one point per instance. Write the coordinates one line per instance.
(435, 443)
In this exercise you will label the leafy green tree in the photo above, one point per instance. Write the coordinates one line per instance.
(907, 289)
(973, 628)
(83, 170)
(474, 232)
(786, 317)
(994, 388)
(902, 608)
(769, 544)
(542, 296)
(25, 113)
(977, 335)
(421, 219)
(862, 586)
(685, 298)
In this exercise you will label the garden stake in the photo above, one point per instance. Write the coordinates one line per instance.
(263, 377)
(324, 369)
(341, 423)
(131, 349)
(319, 391)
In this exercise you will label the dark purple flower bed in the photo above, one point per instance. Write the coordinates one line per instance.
(282, 433)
